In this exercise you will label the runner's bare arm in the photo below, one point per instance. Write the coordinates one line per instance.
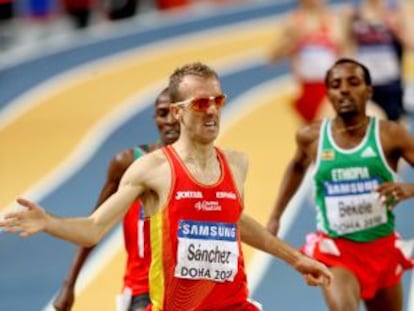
(117, 167)
(84, 231)
(401, 22)
(255, 235)
(395, 149)
(405, 142)
(239, 164)
(285, 42)
(293, 176)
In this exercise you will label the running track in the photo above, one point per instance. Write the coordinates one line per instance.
(63, 116)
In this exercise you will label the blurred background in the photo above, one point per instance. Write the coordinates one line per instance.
(77, 83)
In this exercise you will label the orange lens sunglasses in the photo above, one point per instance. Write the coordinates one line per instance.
(203, 103)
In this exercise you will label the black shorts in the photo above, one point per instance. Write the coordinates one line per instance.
(390, 98)
(139, 301)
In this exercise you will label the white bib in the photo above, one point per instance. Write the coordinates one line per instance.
(313, 61)
(207, 250)
(355, 212)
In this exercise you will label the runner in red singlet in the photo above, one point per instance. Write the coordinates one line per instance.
(312, 39)
(199, 230)
(135, 227)
(192, 192)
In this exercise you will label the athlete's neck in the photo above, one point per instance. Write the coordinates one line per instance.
(202, 155)
(340, 125)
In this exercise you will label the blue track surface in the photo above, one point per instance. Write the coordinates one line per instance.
(32, 269)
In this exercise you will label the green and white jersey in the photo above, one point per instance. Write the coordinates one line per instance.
(344, 187)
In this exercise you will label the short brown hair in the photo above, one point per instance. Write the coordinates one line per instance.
(193, 69)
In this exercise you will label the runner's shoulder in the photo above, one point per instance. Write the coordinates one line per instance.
(391, 129)
(121, 161)
(236, 157)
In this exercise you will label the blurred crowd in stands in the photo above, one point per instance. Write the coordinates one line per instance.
(18, 17)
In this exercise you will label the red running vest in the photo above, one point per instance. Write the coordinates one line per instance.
(136, 238)
(197, 261)
(137, 243)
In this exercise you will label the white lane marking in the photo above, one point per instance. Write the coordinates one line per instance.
(64, 40)
(261, 261)
(55, 84)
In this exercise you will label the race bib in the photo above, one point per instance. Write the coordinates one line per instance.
(207, 251)
(314, 61)
(381, 62)
(353, 206)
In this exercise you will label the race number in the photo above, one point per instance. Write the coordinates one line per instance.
(207, 250)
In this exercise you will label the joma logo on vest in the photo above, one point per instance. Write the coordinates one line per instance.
(188, 195)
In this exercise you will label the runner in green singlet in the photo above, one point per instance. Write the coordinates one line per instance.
(355, 159)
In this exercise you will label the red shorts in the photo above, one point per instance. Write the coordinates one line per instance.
(377, 264)
(245, 306)
(310, 100)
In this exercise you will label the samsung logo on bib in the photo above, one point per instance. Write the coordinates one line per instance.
(208, 206)
(188, 195)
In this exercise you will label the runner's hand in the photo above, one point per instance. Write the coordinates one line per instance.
(314, 272)
(391, 193)
(28, 222)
